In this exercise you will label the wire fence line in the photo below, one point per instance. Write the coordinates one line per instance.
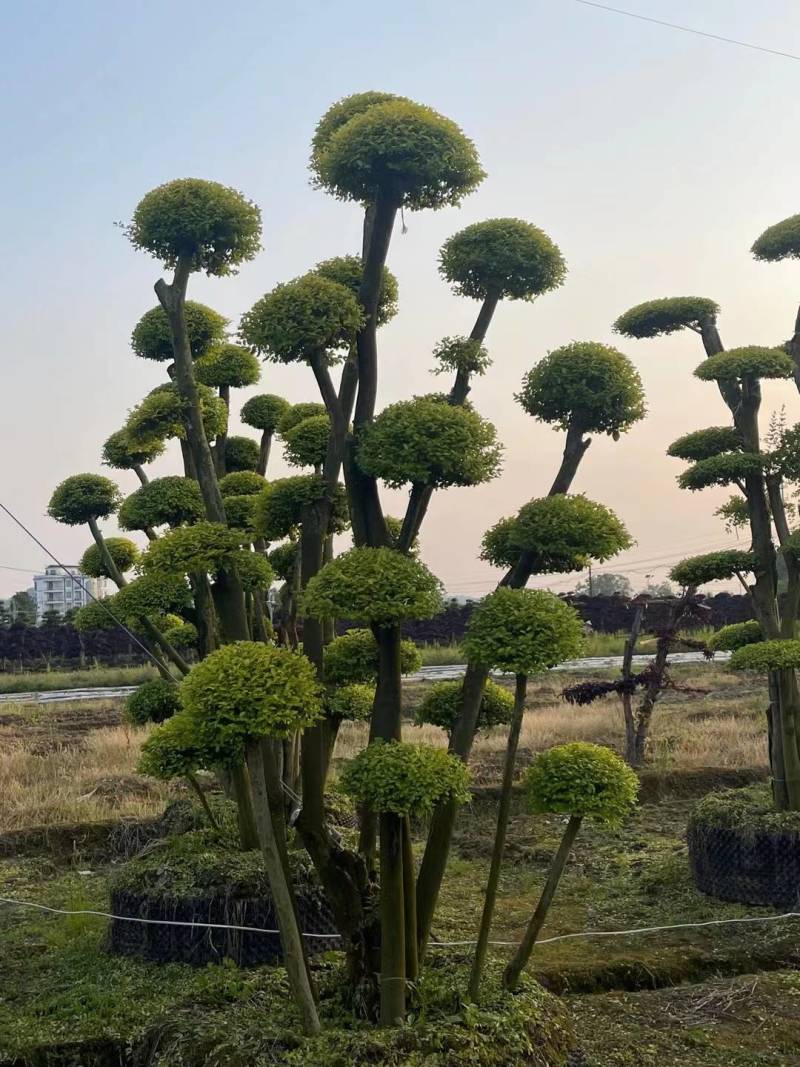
(435, 943)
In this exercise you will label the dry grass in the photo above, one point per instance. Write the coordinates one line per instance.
(52, 782)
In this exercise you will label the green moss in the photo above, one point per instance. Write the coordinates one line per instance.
(750, 809)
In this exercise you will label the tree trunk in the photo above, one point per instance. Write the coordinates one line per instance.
(263, 452)
(504, 807)
(523, 953)
(393, 949)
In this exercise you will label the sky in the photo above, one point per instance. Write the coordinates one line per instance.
(652, 157)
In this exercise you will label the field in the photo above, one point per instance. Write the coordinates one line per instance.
(72, 806)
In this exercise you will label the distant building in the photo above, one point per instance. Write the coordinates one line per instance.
(60, 589)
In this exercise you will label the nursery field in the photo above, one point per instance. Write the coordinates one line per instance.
(72, 808)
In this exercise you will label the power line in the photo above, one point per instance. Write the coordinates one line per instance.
(689, 29)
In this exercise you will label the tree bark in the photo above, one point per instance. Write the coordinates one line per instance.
(263, 452)
(393, 949)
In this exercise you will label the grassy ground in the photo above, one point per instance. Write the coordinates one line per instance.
(91, 678)
(718, 995)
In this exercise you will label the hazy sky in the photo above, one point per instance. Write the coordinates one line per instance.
(653, 158)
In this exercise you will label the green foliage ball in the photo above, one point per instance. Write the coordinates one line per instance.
(712, 567)
(248, 690)
(297, 413)
(706, 444)
(171, 750)
(655, 318)
(182, 634)
(408, 152)
(264, 412)
(728, 468)
(352, 702)
(403, 779)
(560, 533)
(427, 441)
(735, 512)
(523, 631)
(228, 365)
(216, 228)
(505, 258)
(461, 354)
(442, 702)
(254, 570)
(736, 635)
(242, 483)
(280, 506)
(241, 453)
(240, 512)
(781, 241)
(119, 452)
(152, 339)
(376, 585)
(750, 361)
(171, 500)
(82, 498)
(338, 114)
(767, 656)
(203, 548)
(584, 780)
(97, 615)
(300, 318)
(123, 552)
(153, 701)
(154, 593)
(585, 384)
(283, 560)
(306, 444)
(163, 414)
(348, 271)
(353, 658)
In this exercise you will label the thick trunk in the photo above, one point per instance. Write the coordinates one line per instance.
(574, 448)
(523, 953)
(140, 474)
(392, 909)
(222, 439)
(503, 810)
(460, 390)
(248, 830)
(263, 452)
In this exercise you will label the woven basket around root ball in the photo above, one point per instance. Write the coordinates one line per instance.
(756, 862)
(199, 944)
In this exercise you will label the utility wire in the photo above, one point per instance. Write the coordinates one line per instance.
(77, 581)
(689, 29)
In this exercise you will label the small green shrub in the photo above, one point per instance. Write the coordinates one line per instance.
(403, 779)
(767, 656)
(353, 658)
(241, 453)
(153, 701)
(171, 750)
(442, 702)
(736, 635)
(353, 702)
(583, 780)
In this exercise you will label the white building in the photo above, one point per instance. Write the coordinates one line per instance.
(62, 588)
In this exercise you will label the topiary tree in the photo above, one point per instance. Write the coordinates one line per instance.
(441, 702)
(119, 453)
(354, 658)
(582, 781)
(736, 635)
(152, 339)
(241, 454)
(124, 554)
(168, 501)
(522, 631)
(264, 412)
(154, 701)
(306, 443)
(242, 483)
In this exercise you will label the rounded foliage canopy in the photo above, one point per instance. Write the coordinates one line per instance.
(306, 444)
(750, 361)
(404, 779)
(338, 114)
(151, 594)
(264, 412)
(781, 241)
(283, 560)
(171, 500)
(123, 552)
(667, 315)
(240, 511)
(82, 498)
(523, 631)
(153, 701)
(171, 750)
(461, 354)
(241, 453)
(376, 585)
(712, 567)
(706, 444)
(247, 690)
(152, 339)
(427, 441)
(352, 702)
(583, 780)
(300, 318)
(203, 547)
(348, 271)
(297, 412)
(407, 151)
(163, 414)
(736, 635)
(767, 656)
(585, 384)
(279, 507)
(505, 258)
(353, 658)
(442, 702)
(120, 453)
(725, 469)
(96, 615)
(562, 533)
(213, 226)
(242, 483)
(254, 570)
(228, 365)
